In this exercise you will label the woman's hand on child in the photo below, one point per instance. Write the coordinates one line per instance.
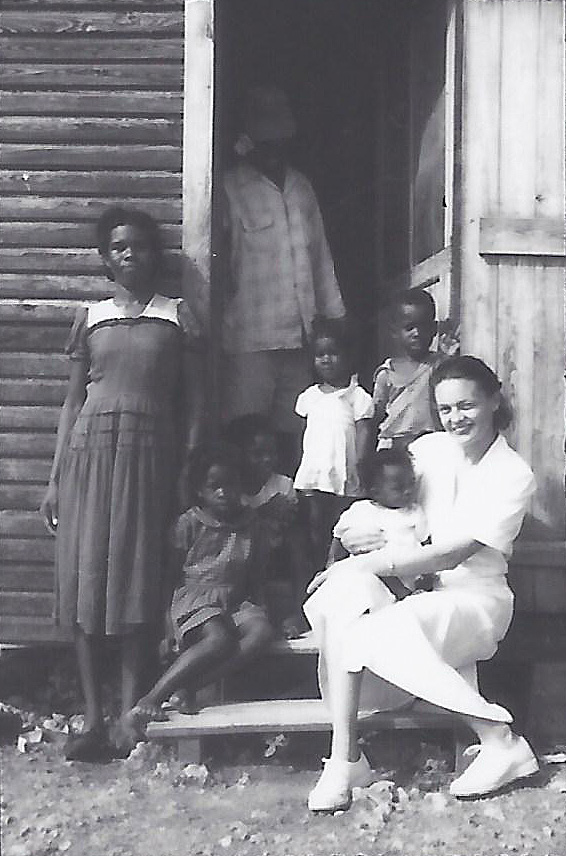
(318, 580)
(49, 507)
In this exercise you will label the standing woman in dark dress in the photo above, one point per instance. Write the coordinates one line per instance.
(133, 407)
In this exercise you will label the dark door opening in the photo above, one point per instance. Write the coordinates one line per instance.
(364, 78)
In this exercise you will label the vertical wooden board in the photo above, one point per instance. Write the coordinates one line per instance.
(550, 103)
(548, 398)
(519, 64)
(480, 172)
(515, 358)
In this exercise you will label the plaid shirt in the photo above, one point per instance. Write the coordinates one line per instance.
(281, 270)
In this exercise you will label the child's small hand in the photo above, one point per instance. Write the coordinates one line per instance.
(318, 580)
(293, 626)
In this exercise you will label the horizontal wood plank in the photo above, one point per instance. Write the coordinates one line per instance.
(117, 184)
(32, 391)
(289, 715)
(28, 549)
(89, 5)
(33, 337)
(22, 365)
(64, 261)
(83, 49)
(77, 209)
(32, 311)
(20, 524)
(17, 629)
(24, 497)
(81, 130)
(522, 237)
(21, 578)
(49, 234)
(47, 22)
(50, 286)
(29, 604)
(39, 76)
(28, 418)
(97, 157)
(24, 444)
(86, 103)
(25, 470)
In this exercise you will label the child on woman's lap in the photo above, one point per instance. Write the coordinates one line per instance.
(338, 414)
(217, 614)
(392, 513)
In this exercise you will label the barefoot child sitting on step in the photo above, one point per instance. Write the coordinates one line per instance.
(217, 613)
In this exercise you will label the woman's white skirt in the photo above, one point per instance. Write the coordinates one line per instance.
(425, 646)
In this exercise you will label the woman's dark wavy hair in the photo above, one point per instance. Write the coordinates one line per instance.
(466, 367)
(208, 455)
(121, 216)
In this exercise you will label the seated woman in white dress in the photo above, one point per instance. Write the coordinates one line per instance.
(474, 490)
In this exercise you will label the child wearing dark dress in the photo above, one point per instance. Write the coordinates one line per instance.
(218, 617)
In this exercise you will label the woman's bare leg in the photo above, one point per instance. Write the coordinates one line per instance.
(345, 702)
(134, 664)
(88, 649)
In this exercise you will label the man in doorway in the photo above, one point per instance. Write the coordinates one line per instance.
(279, 272)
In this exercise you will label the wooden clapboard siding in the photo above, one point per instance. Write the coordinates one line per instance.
(90, 115)
(512, 219)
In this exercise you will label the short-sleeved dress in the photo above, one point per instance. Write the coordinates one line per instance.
(329, 460)
(221, 570)
(428, 644)
(116, 487)
(408, 402)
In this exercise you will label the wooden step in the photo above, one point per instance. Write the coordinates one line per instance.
(285, 715)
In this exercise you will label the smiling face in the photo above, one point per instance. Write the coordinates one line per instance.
(130, 258)
(467, 413)
(413, 329)
(394, 486)
(220, 492)
(330, 362)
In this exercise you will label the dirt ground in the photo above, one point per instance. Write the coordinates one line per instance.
(249, 798)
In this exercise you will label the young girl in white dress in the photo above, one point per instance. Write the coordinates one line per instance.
(338, 413)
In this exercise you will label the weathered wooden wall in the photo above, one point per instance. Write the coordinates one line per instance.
(91, 106)
(513, 252)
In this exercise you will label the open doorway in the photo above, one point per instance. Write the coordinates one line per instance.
(367, 83)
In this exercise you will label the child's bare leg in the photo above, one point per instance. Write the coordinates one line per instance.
(216, 643)
(254, 634)
(88, 658)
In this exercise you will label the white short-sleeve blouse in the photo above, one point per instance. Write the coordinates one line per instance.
(485, 502)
